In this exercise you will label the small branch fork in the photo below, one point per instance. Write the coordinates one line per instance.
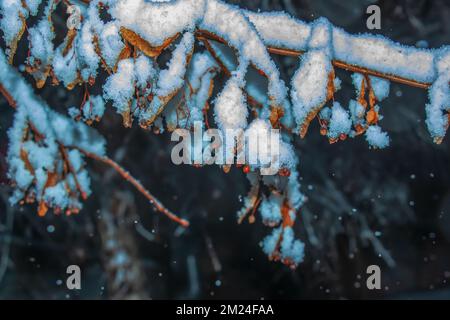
(125, 174)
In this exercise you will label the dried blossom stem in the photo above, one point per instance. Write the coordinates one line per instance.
(8, 97)
(127, 176)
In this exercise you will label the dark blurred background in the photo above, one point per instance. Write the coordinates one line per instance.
(387, 207)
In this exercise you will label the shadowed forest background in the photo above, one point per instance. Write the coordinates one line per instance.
(388, 207)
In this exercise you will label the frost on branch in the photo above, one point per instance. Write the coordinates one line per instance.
(45, 164)
(125, 39)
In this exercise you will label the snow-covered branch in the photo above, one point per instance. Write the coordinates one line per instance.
(127, 42)
(46, 153)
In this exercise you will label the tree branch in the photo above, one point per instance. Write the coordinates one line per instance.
(337, 63)
(127, 176)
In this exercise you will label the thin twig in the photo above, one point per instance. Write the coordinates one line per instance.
(127, 176)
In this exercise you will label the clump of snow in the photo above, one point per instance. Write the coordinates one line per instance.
(325, 113)
(270, 210)
(230, 23)
(357, 112)
(11, 23)
(41, 41)
(320, 37)
(87, 55)
(258, 134)
(309, 84)
(287, 157)
(119, 88)
(295, 197)
(230, 107)
(65, 67)
(110, 42)
(33, 6)
(340, 122)
(93, 109)
(384, 55)
(291, 249)
(270, 242)
(145, 70)
(172, 78)
(377, 138)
